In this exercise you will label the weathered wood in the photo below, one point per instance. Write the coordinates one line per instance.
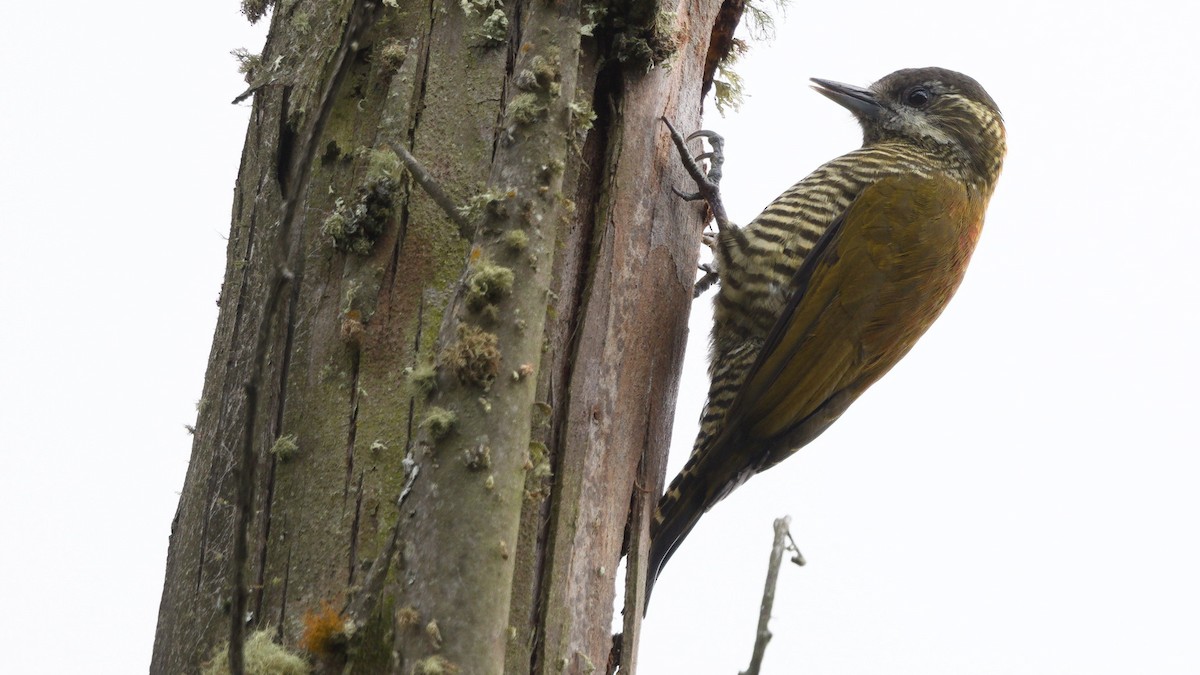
(509, 538)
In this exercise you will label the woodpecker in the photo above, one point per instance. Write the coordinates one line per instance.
(835, 280)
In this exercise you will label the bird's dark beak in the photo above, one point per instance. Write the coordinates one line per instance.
(861, 102)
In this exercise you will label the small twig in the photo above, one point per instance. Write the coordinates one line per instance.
(763, 635)
(282, 251)
(434, 190)
(799, 557)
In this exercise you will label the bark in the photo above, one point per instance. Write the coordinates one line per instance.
(561, 381)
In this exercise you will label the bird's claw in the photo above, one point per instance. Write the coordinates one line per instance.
(707, 182)
(686, 196)
(711, 276)
(715, 157)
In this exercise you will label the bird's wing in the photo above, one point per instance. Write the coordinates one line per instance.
(855, 309)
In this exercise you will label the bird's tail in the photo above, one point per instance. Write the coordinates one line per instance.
(677, 513)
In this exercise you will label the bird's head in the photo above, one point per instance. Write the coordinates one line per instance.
(941, 111)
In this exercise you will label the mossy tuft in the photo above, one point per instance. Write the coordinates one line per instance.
(423, 378)
(285, 447)
(474, 357)
(515, 240)
(478, 458)
(392, 53)
(435, 665)
(354, 226)
(248, 63)
(261, 656)
(649, 46)
(526, 108)
(256, 9)
(439, 422)
(487, 285)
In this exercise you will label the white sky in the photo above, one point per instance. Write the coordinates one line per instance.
(1019, 495)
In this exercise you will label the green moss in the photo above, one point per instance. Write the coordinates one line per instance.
(423, 378)
(474, 357)
(371, 649)
(551, 170)
(545, 68)
(537, 452)
(525, 108)
(648, 46)
(539, 460)
(354, 226)
(255, 9)
(495, 28)
(488, 203)
(515, 240)
(261, 657)
(476, 7)
(382, 165)
(434, 634)
(407, 617)
(478, 458)
(540, 415)
(728, 87)
(248, 64)
(285, 447)
(439, 422)
(301, 23)
(487, 285)
(392, 53)
(582, 116)
(435, 665)
(729, 91)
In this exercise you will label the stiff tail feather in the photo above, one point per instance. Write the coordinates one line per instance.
(676, 514)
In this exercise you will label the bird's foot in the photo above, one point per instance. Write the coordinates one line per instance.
(711, 276)
(707, 182)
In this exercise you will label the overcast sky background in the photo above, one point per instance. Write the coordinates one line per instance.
(1020, 495)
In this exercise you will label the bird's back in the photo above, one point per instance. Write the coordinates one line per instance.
(756, 280)
(836, 280)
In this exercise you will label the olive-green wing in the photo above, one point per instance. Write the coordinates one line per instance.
(867, 290)
(856, 309)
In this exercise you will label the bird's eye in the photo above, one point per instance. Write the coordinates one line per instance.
(918, 97)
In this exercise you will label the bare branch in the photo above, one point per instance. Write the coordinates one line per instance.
(763, 635)
(434, 190)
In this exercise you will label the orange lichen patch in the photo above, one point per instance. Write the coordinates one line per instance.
(353, 327)
(324, 631)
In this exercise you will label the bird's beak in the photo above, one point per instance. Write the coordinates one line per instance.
(861, 102)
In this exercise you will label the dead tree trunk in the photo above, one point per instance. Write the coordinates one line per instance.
(507, 380)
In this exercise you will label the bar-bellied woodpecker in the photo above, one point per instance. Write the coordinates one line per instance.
(836, 280)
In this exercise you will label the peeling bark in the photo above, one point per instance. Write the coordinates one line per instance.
(502, 555)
